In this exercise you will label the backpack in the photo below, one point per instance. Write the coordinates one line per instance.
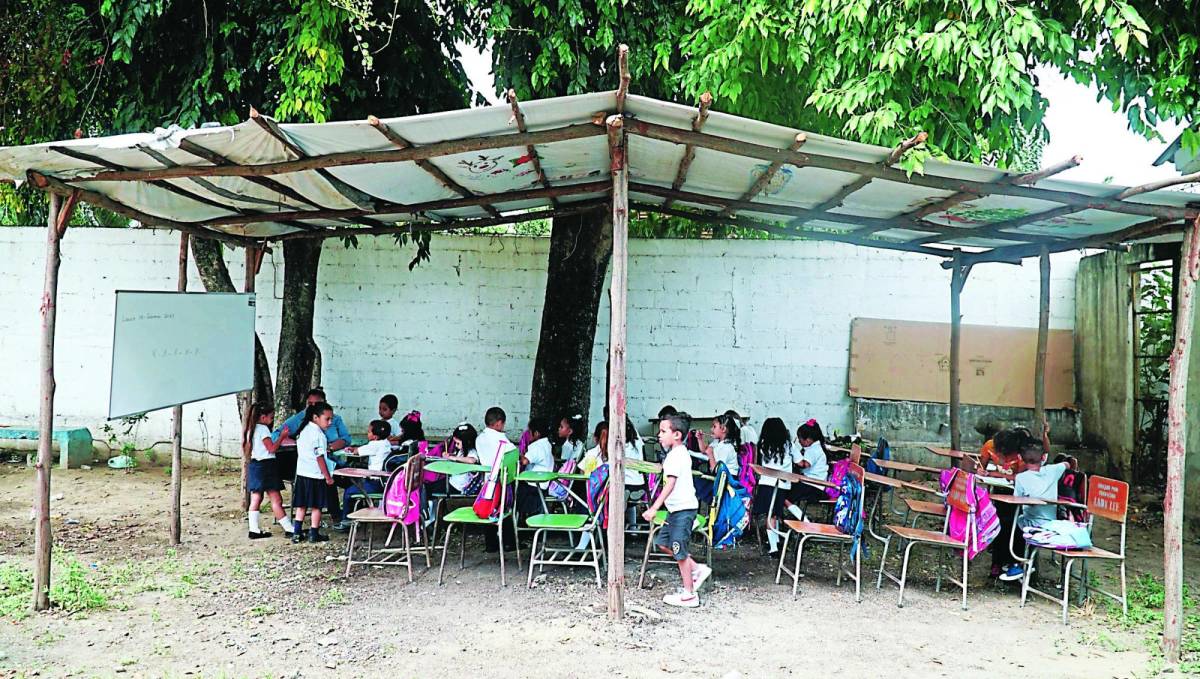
(1072, 487)
(733, 512)
(837, 474)
(560, 489)
(845, 519)
(436, 451)
(597, 494)
(746, 476)
(883, 451)
(487, 503)
(987, 522)
(402, 495)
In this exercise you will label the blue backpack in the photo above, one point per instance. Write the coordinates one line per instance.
(883, 451)
(733, 513)
(597, 494)
(845, 517)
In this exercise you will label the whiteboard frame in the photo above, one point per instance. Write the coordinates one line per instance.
(252, 297)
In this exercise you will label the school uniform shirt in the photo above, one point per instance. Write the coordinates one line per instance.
(749, 435)
(460, 481)
(818, 467)
(337, 428)
(310, 445)
(376, 451)
(571, 450)
(632, 478)
(1043, 485)
(724, 451)
(791, 456)
(591, 460)
(489, 443)
(683, 496)
(395, 427)
(540, 456)
(258, 450)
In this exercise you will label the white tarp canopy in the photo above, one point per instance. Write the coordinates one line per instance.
(264, 180)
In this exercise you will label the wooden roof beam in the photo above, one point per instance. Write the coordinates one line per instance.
(1015, 253)
(623, 71)
(689, 151)
(215, 158)
(769, 173)
(456, 225)
(800, 159)
(519, 117)
(424, 163)
(348, 158)
(47, 183)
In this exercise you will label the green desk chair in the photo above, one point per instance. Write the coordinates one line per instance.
(465, 517)
(570, 524)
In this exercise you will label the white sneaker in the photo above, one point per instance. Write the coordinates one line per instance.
(682, 600)
(700, 575)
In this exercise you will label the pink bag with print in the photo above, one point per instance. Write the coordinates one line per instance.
(402, 495)
(434, 451)
(987, 523)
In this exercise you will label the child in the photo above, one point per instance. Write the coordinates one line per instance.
(411, 434)
(491, 442)
(678, 495)
(1039, 481)
(388, 405)
(263, 474)
(571, 431)
(376, 450)
(727, 439)
(596, 455)
(748, 433)
(813, 463)
(538, 457)
(313, 478)
(460, 448)
(1009, 463)
(775, 451)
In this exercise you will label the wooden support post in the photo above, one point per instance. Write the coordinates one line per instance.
(41, 493)
(253, 258)
(1189, 263)
(1039, 371)
(958, 279)
(616, 359)
(177, 419)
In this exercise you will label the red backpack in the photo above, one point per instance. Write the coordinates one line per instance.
(487, 504)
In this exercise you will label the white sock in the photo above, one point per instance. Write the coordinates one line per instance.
(585, 541)
(287, 524)
(253, 520)
(773, 539)
(794, 510)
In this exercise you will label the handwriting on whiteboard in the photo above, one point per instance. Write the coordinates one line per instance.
(166, 316)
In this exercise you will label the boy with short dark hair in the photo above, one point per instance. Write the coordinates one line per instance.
(1036, 480)
(678, 495)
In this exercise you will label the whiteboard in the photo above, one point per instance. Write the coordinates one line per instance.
(171, 348)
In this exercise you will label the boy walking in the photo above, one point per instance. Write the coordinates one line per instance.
(678, 495)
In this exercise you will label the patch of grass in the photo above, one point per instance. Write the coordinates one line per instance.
(73, 589)
(332, 597)
(262, 610)
(1146, 598)
(16, 591)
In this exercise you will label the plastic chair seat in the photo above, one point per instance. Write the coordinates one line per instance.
(467, 515)
(923, 507)
(922, 535)
(825, 530)
(558, 521)
(1091, 553)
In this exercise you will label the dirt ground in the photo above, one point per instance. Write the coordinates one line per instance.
(221, 605)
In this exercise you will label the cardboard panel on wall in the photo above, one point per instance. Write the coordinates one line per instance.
(910, 361)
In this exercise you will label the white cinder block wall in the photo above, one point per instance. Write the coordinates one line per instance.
(761, 326)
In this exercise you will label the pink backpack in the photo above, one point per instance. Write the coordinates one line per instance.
(560, 489)
(434, 451)
(987, 523)
(836, 474)
(402, 493)
(746, 476)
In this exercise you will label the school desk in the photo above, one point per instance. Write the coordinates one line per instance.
(357, 477)
(451, 467)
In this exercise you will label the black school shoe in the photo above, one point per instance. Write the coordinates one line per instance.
(258, 536)
(314, 536)
(297, 536)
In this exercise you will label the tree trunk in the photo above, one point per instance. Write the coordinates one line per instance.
(298, 363)
(580, 249)
(210, 262)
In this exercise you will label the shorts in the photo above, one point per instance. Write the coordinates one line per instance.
(676, 532)
(263, 475)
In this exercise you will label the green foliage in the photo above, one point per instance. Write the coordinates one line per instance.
(332, 597)
(1147, 597)
(16, 591)
(311, 63)
(73, 588)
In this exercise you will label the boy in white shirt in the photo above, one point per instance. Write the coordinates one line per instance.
(538, 457)
(491, 442)
(388, 405)
(376, 450)
(678, 495)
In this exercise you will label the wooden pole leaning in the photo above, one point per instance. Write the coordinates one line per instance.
(958, 279)
(176, 523)
(1043, 339)
(1177, 394)
(58, 216)
(616, 357)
